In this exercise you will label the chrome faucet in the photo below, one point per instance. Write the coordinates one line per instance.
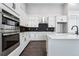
(76, 27)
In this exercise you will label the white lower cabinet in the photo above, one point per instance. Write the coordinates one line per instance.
(62, 47)
(38, 35)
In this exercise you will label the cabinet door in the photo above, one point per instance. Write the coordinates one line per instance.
(21, 21)
(51, 22)
(13, 6)
(50, 47)
(23, 15)
(22, 38)
(61, 18)
(18, 8)
(9, 4)
(33, 21)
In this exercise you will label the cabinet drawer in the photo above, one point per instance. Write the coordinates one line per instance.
(61, 18)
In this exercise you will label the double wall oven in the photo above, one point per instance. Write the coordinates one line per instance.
(9, 32)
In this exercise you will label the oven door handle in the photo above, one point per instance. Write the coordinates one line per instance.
(5, 34)
(7, 16)
(10, 17)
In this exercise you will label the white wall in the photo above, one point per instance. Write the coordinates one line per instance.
(38, 10)
(45, 9)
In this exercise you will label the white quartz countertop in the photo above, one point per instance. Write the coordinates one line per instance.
(63, 36)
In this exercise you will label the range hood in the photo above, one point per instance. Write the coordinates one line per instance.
(43, 26)
(44, 20)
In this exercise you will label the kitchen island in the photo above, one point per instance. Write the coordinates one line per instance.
(62, 45)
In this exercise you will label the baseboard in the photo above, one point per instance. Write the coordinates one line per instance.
(37, 40)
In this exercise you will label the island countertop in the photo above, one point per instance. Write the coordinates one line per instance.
(59, 44)
(63, 36)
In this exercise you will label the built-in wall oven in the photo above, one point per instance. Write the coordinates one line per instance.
(9, 32)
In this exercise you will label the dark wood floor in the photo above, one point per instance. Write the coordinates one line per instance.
(35, 48)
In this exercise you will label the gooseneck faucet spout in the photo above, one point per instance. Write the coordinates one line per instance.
(76, 30)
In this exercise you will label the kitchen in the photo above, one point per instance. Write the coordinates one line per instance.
(55, 24)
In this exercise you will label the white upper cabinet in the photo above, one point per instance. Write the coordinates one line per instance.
(9, 5)
(20, 8)
(33, 21)
(61, 18)
(14, 6)
(17, 7)
(51, 21)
